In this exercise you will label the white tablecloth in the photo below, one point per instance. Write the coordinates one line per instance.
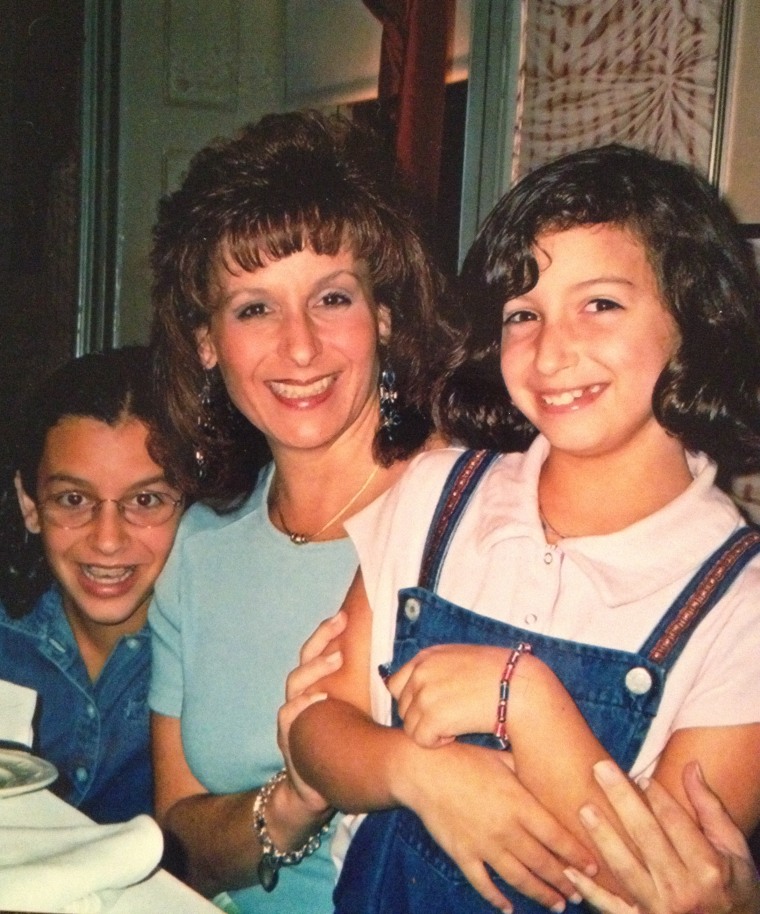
(159, 894)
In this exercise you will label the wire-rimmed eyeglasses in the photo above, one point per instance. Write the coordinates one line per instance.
(76, 509)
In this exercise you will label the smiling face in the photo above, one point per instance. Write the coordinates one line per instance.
(296, 343)
(582, 350)
(107, 568)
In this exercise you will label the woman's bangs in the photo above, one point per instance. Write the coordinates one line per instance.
(275, 237)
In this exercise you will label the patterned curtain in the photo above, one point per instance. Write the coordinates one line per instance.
(639, 72)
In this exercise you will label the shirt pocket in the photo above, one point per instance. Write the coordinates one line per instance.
(136, 710)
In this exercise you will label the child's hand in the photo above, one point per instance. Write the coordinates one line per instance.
(475, 807)
(448, 690)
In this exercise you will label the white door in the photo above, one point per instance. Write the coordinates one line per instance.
(190, 70)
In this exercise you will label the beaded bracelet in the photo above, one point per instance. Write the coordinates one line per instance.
(271, 859)
(500, 729)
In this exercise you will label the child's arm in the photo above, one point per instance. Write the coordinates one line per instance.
(542, 717)
(468, 797)
(554, 749)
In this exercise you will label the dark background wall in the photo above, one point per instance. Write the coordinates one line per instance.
(40, 65)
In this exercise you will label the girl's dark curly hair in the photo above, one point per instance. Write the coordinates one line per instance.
(288, 182)
(707, 394)
(108, 386)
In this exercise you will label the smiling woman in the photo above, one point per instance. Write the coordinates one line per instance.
(296, 332)
(296, 343)
(102, 517)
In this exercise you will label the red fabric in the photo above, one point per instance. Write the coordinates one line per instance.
(417, 36)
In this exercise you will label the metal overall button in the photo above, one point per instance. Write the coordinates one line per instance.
(638, 680)
(412, 609)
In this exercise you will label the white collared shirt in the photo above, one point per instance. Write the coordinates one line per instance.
(606, 590)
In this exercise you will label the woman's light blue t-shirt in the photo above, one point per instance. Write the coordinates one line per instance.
(231, 610)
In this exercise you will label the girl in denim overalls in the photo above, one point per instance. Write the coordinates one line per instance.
(617, 297)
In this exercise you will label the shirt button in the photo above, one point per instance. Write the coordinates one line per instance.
(548, 557)
(91, 711)
(531, 619)
(133, 643)
(638, 680)
(81, 774)
(412, 609)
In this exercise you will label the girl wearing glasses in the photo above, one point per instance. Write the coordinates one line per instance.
(99, 518)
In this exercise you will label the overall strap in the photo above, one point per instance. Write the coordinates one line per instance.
(461, 482)
(700, 595)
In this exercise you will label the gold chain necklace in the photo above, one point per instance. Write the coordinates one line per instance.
(299, 539)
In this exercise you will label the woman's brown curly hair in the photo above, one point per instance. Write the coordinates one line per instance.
(289, 182)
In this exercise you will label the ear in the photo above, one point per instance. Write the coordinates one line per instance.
(27, 505)
(206, 350)
(383, 324)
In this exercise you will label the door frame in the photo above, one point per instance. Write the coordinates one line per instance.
(97, 282)
(491, 109)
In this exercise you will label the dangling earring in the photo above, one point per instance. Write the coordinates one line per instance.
(205, 423)
(389, 412)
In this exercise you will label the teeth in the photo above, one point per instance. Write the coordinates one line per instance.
(300, 391)
(108, 575)
(569, 396)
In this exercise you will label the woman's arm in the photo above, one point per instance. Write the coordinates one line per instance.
(210, 839)
(680, 865)
(190, 815)
(468, 797)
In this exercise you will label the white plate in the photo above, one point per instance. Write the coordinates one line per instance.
(21, 772)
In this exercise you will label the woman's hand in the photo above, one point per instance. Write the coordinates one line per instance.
(315, 662)
(448, 690)
(683, 866)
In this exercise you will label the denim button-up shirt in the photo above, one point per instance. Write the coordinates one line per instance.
(95, 733)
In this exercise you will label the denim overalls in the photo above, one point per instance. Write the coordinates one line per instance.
(393, 865)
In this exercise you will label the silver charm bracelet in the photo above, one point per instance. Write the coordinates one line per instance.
(273, 860)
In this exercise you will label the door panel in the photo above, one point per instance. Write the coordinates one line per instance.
(190, 70)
